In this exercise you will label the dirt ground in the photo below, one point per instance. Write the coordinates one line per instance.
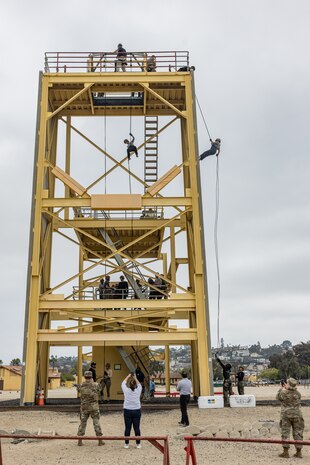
(153, 423)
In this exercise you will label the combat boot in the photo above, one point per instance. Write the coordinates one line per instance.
(285, 454)
(101, 442)
(80, 442)
(298, 454)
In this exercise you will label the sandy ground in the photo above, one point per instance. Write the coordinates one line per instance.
(153, 423)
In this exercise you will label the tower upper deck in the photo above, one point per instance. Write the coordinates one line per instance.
(94, 83)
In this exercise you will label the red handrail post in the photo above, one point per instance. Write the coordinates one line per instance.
(0, 453)
(166, 460)
(190, 452)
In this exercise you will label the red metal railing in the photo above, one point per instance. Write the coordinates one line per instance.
(163, 448)
(81, 62)
(191, 454)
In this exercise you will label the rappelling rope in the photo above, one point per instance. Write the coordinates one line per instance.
(217, 209)
(203, 117)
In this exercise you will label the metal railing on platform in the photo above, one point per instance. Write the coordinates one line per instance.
(163, 448)
(81, 62)
(191, 454)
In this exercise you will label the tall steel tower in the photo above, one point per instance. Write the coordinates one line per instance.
(151, 235)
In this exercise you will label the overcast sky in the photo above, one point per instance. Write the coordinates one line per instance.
(252, 80)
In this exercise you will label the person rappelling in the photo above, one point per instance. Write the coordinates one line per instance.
(214, 150)
(131, 148)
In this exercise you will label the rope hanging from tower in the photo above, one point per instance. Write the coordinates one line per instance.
(215, 150)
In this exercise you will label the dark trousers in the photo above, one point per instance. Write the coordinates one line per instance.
(131, 148)
(207, 153)
(184, 400)
(132, 418)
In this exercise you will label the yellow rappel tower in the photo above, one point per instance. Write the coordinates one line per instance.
(150, 238)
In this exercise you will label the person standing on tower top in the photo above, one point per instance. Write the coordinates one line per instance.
(120, 61)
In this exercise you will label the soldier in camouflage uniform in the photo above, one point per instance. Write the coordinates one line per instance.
(291, 415)
(227, 387)
(89, 391)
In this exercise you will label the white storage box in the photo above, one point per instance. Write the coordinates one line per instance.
(210, 402)
(242, 401)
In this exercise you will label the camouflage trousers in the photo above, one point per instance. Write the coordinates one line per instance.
(297, 424)
(95, 415)
(227, 391)
(240, 386)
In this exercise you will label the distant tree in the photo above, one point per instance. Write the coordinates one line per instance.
(156, 366)
(255, 348)
(53, 360)
(275, 360)
(1, 362)
(302, 352)
(287, 365)
(270, 373)
(286, 345)
(15, 361)
(67, 377)
(305, 372)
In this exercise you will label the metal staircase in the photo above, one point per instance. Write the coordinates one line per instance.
(126, 359)
(150, 150)
(121, 263)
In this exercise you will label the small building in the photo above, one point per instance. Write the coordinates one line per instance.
(10, 377)
(175, 377)
(53, 378)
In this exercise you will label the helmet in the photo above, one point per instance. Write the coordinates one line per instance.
(218, 140)
(88, 374)
(119, 45)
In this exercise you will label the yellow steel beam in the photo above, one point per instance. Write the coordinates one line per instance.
(125, 338)
(64, 105)
(162, 99)
(80, 202)
(183, 301)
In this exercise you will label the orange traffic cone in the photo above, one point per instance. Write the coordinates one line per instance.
(41, 397)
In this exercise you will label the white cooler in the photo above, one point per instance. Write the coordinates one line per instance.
(242, 401)
(210, 402)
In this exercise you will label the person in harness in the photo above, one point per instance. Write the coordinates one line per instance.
(131, 148)
(214, 150)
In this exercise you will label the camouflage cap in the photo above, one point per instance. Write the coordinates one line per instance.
(292, 382)
(88, 374)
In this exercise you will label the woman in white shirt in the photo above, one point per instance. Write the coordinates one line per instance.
(132, 407)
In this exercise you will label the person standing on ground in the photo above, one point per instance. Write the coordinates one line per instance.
(240, 382)
(152, 386)
(89, 392)
(93, 370)
(227, 388)
(184, 387)
(291, 416)
(132, 407)
(106, 381)
(214, 150)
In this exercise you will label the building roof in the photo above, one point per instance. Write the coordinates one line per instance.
(17, 369)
